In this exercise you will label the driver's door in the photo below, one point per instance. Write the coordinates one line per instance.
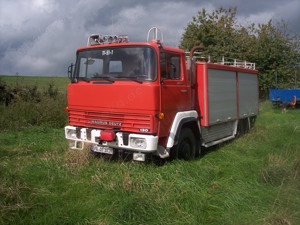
(175, 91)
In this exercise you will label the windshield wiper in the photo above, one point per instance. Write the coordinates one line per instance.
(109, 79)
(84, 79)
(136, 79)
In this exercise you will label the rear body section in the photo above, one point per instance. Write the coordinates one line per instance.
(225, 95)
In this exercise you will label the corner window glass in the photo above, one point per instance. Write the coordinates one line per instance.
(170, 66)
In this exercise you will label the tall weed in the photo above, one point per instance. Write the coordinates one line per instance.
(276, 171)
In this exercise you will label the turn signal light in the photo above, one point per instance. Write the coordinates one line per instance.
(160, 115)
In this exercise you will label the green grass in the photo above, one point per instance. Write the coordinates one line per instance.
(251, 180)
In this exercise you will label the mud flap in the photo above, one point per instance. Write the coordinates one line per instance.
(162, 152)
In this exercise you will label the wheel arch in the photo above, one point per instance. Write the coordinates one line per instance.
(188, 119)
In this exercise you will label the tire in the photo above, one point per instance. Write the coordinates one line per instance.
(243, 127)
(186, 147)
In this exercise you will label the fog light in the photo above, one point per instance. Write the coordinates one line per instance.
(138, 143)
(139, 157)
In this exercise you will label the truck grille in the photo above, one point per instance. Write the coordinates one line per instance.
(112, 120)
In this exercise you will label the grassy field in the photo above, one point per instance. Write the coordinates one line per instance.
(40, 82)
(251, 180)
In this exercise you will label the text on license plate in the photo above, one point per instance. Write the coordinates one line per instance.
(103, 149)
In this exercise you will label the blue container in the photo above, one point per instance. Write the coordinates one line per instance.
(284, 95)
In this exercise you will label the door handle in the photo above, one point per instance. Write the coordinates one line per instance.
(183, 91)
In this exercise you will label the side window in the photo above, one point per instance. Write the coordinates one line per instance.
(170, 66)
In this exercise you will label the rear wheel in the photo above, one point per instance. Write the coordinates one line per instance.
(244, 125)
(186, 147)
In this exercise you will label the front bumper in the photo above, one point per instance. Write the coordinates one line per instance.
(78, 137)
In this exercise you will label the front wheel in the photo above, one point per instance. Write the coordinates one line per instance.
(186, 147)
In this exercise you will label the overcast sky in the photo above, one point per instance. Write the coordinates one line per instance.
(40, 37)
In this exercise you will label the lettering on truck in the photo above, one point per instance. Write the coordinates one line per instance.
(99, 122)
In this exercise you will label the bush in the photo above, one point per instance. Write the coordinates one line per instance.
(51, 91)
(24, 106)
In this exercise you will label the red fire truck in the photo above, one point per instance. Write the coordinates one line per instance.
(146, 98)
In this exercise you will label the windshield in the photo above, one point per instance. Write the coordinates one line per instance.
(117, 63)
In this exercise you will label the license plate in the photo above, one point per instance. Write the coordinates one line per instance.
(139, 157)
(103, 149)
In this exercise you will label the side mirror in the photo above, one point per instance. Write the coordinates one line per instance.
(162, 81)
(70, 71)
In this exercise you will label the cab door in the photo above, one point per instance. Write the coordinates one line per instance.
(175, 90)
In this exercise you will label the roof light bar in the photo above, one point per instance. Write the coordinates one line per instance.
(98, 39)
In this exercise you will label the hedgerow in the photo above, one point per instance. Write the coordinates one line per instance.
(22, 106)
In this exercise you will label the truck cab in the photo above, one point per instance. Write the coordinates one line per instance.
(123, 96)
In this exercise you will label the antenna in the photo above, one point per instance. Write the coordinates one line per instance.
(155, 32)
(112, 22)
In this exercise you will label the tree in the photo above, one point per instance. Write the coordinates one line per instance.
(215, 31)
(277, 53)
(271, 47)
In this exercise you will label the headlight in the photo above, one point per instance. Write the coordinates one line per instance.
(138, 143)
(71, 134)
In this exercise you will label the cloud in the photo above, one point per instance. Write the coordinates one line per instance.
(289, 11)
(40, 37)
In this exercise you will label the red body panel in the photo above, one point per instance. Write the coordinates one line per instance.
(123, 105)
(201, 94)
(175, 97)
